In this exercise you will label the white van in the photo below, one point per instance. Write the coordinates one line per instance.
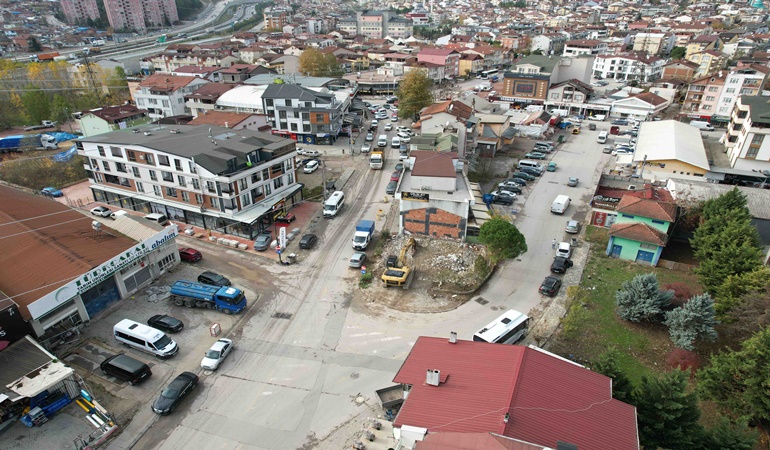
(142, 337)
(529, 164)
(382, 141)
(334, 204)
(705, 126)
(602, 138)
(159, 218)
(560, 204)
(395, 142)
(117, 214)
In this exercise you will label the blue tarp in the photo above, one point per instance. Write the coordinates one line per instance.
(62, 136)
(65, 155)
(82, 29)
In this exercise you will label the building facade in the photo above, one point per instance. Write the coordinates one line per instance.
(584, 47)
(79, 11)
(164, 95)
(743, 80)
(748, 136)
(139, 15)
(701, 98)
(304, 115)
(628, 67)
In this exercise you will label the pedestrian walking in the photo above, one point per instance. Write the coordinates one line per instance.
(553, 244)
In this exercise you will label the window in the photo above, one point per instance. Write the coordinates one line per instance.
(319, 117)
(178, 165)
(555, 95)
(136, 172)
(291, 178)
(116, 152)
(730, 91)
(269, 102)
(255, 177)
(648, 246)
(156, 190)
(293, 127)
(181, 180)
(660, 222)
(733, 80)
(185, 197)
(628, 216)
(245, 200)
(757, 139)
(120, 167)
(281, 114)
(752, 152)
(268, 191)
(192, 167)
(211, 187)
(139, 186)
(101, 150)
(306, 116)
(213, 202)
(153, 176)
(198, 199)
(713, 89)
(170, 192)
(165, 103)
(308, 104)
(196, 184)
(150, 159)
(709, 98)
(243, 184)
(163, 160)
(278, 182)
(131, 155)
(106, 166)
(94, 164)
(167, 176)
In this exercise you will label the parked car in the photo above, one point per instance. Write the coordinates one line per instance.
(391, 100)
(300, 151)
(308, 241)
(357, 260)
(369, 136)
(305, 161)
(395, 176)
(366, 148)
(524, 176)
(402, 128)
(405, 139)
(391, 187)
(572, 182)
(620, 122)
(213, 278)
(311, 167)
(607, 149)
(374, 125)
(286, 218)
(51, 192)
(388, 126)
(503, 197)
(313, 153)
(573, 227)
(165, 323)
(190, 255)
(101, 211)
(400, 166)
(519, 181)
(560, 264)
(564, 249)
(550, 286)
(394, 118)
(262, 242)
(576, 130)
(532, 171)
(175, 392)
(551, 167)
(535, 155)
(216, 354)
(509, 186)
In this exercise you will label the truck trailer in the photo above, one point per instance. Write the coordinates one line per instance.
(28, 142)
(226, 299)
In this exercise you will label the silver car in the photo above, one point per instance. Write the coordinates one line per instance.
(357, 260)
(573, 227)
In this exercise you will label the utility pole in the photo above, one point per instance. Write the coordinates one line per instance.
(323, 178)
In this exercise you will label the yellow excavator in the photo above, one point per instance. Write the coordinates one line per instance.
(397, 273)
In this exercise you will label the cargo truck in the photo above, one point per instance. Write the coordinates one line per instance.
(377, 159)
(226, 299)
(28, 142)
(363, 234)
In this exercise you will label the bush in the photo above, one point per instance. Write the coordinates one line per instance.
(684, 360)
(640, 299)
(366, 280)
(481, 267)
(695, 320)
(682, 292)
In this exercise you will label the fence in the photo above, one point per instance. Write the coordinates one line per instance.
(673, 265)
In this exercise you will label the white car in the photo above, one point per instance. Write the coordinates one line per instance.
(564, 249)
(102, 211)
(313, 153)
(388, 126)
(394, 118)
(311, 167)
(366, 148)
(405, 139)
(216, 354)
(403, 129)
(403, 134)
(300, 151)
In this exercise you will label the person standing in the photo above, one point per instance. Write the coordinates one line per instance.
(553, 244)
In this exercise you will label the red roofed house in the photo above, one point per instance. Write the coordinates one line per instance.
(446, 57)
(163, 95)
(641, 229)
(522, 393)
(643, 106)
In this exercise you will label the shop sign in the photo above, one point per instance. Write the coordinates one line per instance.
(415, 196)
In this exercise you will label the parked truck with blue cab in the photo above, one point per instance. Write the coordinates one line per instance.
(28, 142)
(227, 299)
(363, 234)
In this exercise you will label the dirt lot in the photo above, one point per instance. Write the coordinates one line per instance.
(443, 271)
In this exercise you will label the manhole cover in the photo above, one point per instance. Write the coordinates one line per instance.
(360, 400)
(281, 315)
(494, 308)
(481, 301)
(354, 375)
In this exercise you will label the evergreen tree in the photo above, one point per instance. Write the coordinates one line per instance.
(731, 292)
(640, 299)
(607, 365)
(728, 436)
(694, 320)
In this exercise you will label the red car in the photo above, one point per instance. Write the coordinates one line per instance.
(395, 176)
(190, 254)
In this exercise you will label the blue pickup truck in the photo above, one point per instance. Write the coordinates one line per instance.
(227, 299)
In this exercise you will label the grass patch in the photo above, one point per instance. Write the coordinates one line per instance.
(366, 280)
(315, 194)
(592, 325)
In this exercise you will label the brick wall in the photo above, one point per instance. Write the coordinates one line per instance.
(434, 222)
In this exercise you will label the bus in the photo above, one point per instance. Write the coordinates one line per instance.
(487, 74)
(509, 328)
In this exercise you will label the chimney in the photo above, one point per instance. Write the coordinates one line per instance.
(432, 377)
(452, 337)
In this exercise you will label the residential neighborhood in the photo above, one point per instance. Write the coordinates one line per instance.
(349, 210)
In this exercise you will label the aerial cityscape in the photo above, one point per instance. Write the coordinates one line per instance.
(441, 225)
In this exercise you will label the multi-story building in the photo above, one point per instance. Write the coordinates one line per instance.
(276, 17)
(548, 43)
(702, 96)
(748, 136)
(471, 64)
(79, 11)
(303, 114)
(111, 118)
(745, 80)
(570, 95)
(435, 72)
(708, 61)
(628, 66)
(399, 27)
(164, 95)
(447, 57)
(377, 24)
(679, 69)
(138, 15)
(584, 47)
(654, 43)
(233, 181)
(204, 99)
(703, 43)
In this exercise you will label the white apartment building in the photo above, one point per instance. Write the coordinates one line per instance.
(584, 47)
(748, 135)
(217, 178)
(628, 66)
(164, 95)
(743, 80)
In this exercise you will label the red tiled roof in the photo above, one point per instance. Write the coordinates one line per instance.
(651, 98)
(548, 399)
(167, 82)
(433, 164)
(472, 441)
(638, 231)
(220, 118)
(51, 245)
(647, 208)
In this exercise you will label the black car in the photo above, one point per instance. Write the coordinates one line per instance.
(524, 176)
(166, 323)
(550, 286)
(391, 187)
(560, 264)
(308, 241)
(503, 199)
(213, 278)
(174, 393)
(518, 181)
(533, 172)
(620, 122)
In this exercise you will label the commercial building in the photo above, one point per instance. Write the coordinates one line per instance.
(670, 149)
(217, 178)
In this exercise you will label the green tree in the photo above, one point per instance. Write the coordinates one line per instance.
(502, 238)
(414, 93)
(735, 287)
(738, 380)
(729, 436)
(693, 320)
(60, 109)
(37, 104)
(607, 365)
(667, 415)
(678, 52)
(641, 299)
(313, 63)
(33, 45)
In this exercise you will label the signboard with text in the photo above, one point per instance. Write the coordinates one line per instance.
(415, 196)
